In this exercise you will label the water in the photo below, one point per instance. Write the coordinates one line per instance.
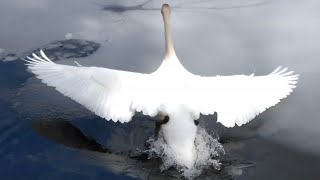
(208, 153)
(44, 135)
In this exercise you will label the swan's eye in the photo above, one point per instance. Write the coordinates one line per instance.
(166, 119)
(196, 122)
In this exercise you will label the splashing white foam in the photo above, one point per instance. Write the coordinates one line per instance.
(208, 151)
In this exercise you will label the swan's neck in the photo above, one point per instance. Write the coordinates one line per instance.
(167, 31)
(171, 63)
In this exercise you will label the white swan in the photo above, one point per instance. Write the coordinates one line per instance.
(171, 90)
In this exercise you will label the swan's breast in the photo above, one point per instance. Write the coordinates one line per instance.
(180, 133)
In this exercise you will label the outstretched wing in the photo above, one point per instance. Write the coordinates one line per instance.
(238, 99)
(111, 94)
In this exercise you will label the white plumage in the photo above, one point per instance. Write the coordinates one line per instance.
(116, 95)
(171, 90)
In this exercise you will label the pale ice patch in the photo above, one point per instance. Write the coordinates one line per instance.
(6, 56)
(208, 151)
(68, 36)
(1, 53)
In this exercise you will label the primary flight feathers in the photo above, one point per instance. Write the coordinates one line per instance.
(114, 94)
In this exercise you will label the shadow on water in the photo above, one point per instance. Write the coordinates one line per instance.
(247, 157)
(117, 8)
(65, 133)
(135, 164)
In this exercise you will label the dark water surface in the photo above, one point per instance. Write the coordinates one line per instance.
(44, 135)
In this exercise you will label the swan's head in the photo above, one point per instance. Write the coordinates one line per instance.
(165, 10)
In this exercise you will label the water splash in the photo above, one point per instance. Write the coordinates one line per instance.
(208, 150)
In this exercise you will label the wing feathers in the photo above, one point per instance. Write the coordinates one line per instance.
(238, 99)
(103, 91)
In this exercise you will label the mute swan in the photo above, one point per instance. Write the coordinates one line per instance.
(116, 95)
